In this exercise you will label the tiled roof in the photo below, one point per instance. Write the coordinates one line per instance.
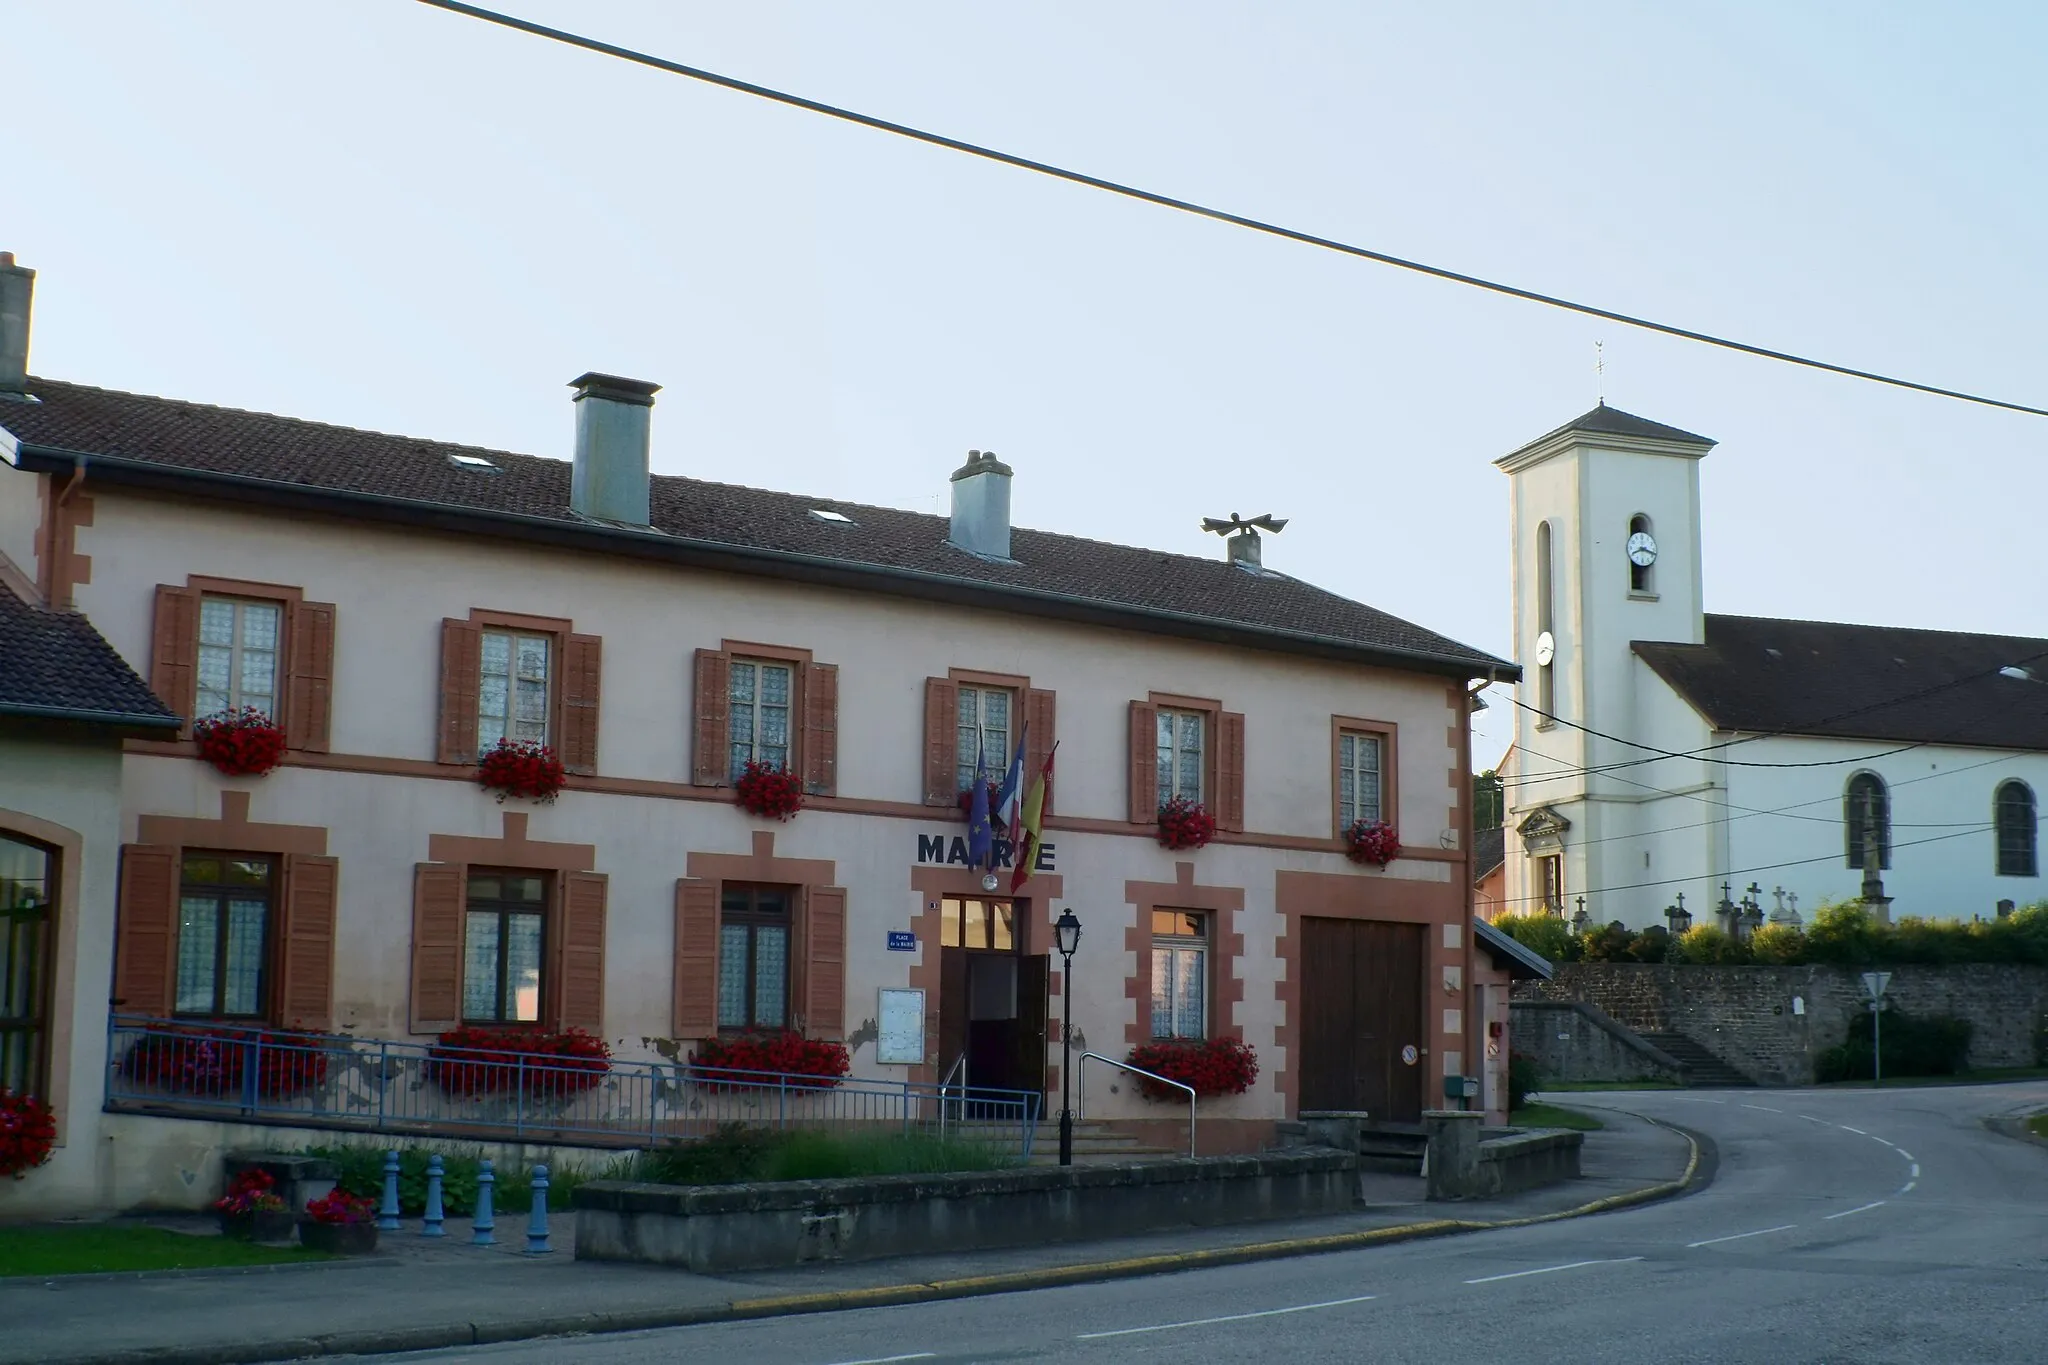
(173, 436)
(1882, 683)
(54, 664)
(1606, 421)
(1489, 851)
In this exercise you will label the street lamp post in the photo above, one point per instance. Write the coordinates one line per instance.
(1067, 931)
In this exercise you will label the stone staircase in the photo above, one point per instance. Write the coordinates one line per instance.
(1389, 1148)
(1094, 1141)
(1702, 1068)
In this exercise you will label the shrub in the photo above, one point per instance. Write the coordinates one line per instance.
(1213, 1066)
(359, 1170)
(471, 1062)
(1523, 1080)
(1844, 934)
(1777, 944)
(1938, 1046)
(1546, 934)
(1650, 945)
(1608, 943)
(28, 1130)
(724, 1063)
(1707, 945)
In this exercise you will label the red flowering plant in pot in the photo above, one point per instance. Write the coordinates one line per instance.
(769, 790)
(340, 1223)
(525, 768)
(1371, 841)
(253, 1210)
(1213, 1066)
(761, 1060)
(244, 743)
(472, 1063)
(28, 1130)
(1185, 824)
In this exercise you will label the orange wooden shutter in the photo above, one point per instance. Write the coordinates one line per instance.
(582, 687)
(1041, 716)
(305, 991)
(145, 931)
(941, 741)
(309, 680)
(710, 755)
(581, 957)
(825, 963)
(437, 924)
(821, 729)
(1230, 771)
(1144, 764)
(695, 1013)
(462, 666)
(174, 651)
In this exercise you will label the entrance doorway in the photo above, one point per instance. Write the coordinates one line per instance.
(1361, 1006)
(992, 995)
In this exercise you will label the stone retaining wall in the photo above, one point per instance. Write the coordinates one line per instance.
(1573, 1042)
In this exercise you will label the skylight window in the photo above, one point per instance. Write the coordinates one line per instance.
(473, 462)
(836, 518)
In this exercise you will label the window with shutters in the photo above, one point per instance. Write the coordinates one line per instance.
(759, 694)
(1180, 974)
(504, 947)
(226, 906)
(238, 654)
(985, 731)
(1359, 790)
(2013, 812)
(512, 693)
(754, 929)
(1181, 754)
(28, 882)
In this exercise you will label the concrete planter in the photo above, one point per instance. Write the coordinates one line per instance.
(339, 1239)
(265, 1226)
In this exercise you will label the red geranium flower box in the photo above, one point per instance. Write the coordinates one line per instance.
(1213, 1066)
(28, 1130)
(1185, 824)
(725, 1063)
(471, 1062)
(966, 801)
(524, 768)
(1371, 841)
(768, 790)
(215, 1061)
(240, 743)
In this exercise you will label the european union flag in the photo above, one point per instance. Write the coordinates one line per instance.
(981, 834)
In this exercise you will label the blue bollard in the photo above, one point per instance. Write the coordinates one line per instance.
(387, 1217)
(430, 1225)
(482, 1226)
(537, 1225)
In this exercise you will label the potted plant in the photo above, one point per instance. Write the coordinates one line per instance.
(242, 743)
(768, 790)
(253, 1211)
(1371, 841)
(525, 768)
(343, 1224)
(1185, 824)
(28, 1130)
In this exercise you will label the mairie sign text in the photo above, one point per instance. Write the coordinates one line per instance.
(939, 848)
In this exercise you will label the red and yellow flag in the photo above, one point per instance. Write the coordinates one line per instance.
(1026, 852)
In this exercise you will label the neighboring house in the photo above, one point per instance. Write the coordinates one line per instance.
(1490, 875)
(1499, 962)
(1661, 751)
(399, 604)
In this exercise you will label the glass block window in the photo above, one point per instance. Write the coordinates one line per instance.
(512, 695)
(1180, 754)
(224, 905)
(238, 644)
(753, 958)
(503, 944)
(757, 710)
(1358, 778)
(1180, 974)
(985, 716)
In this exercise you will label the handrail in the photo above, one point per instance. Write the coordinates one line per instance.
(1080, 1109)
(946, 1083)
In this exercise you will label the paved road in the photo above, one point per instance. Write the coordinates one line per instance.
(1850, 1227)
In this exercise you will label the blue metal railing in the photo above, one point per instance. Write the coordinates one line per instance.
(318, 1080)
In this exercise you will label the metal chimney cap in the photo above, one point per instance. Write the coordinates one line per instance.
(615, 388)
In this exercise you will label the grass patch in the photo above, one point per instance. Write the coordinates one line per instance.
(101, 1247)
(1645, 1084)
(2038, 1125)
(736, 1154)
(1554, 1116)
(1985, 1076)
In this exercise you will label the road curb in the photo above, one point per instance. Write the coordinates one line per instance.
(1701, 1161)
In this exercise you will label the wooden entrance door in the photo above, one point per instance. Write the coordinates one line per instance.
(1361, 1004)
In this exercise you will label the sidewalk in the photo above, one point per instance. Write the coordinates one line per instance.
(418, 1293)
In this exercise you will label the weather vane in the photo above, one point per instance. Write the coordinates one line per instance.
(1264, 522)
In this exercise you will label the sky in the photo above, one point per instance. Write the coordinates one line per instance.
(379, 214)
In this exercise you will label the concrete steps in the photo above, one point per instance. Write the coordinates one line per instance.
(1702, 1068)
(1093, 1141)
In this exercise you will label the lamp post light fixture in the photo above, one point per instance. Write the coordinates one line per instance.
(1067, 935)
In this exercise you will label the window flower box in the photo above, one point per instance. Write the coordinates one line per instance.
(966, 801)
(524, 768)
(769, 791)
(1185, 824)
(1371, 841)
(1213, 1066)
(471, 1063)
(761, 1060)
(341, 1224)
(216, 1061)
(28, 1130)
(242, 743)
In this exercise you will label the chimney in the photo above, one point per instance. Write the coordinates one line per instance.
(981, 506)
(17, 292)
(1244, 548)
(610, 482)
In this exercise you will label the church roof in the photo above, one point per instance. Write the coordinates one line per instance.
(1606, 421)
(1882, 683)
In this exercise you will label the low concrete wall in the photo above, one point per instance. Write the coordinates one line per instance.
(1571, 1041)
(752, 1227)
(1468, 1161)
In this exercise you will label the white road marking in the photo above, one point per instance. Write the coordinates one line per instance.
(1811, 1119)
(1736, 1237)
(1916, 1170)
(1765, 1107)
(1864, 1209)
(1857, 1131)
(890, 1360)
(1907, 1188)
(1518, 1274)
(1906, 1154)
(1204, 1322)
(1886, 1141)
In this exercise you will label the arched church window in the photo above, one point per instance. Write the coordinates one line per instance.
(1867, 807)
(2013, 813)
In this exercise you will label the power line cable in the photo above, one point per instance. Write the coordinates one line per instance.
(1127, 191)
